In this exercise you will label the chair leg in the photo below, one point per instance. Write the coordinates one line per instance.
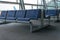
(15, 21)
(31, 29)
(5, 20)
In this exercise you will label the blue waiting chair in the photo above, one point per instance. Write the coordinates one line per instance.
(33, 14)
(20, 16)
(3, 15)
(50, 13)
(11, 16)
(29, 15)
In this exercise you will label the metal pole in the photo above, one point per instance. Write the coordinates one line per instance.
(42, 14)
(37, 4)
(32, 6)
(42, 18)
(44, 3)
(45, 8)
(22, 6)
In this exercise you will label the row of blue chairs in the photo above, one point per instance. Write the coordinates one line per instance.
(25, 15)
(28, 14)
(21, 16)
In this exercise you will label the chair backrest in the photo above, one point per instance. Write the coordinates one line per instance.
(50, 12)
(11, 13)
(33, 14)
(20, 13)
(3, 13)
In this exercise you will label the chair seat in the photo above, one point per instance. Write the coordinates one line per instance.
(53, 15)
(10, 18)
(2, 17)
(23, 19)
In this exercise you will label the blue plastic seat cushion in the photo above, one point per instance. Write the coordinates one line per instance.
(11, 18)
(23, 19)
(2, 17)
(3, 13)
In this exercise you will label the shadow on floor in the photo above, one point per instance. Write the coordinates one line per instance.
(46, 29)
(4, 23)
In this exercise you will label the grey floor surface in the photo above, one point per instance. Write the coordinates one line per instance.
(17, 31)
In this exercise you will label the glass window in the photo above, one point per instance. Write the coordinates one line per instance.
(58, 0)
(58, 3)
(51, 8)
(30, 1)
(9, 0)
(27, 7)
(51, 4)
(40, 2)
(40, 7)
(9, 6)
(47, 1)
(58, 7)
(34, 7)
(18, 1)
